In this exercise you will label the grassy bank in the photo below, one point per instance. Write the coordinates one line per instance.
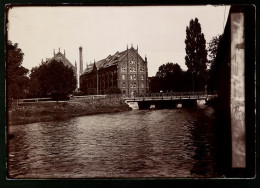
(47, 111)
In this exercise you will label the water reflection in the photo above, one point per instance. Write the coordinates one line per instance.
(149, 143)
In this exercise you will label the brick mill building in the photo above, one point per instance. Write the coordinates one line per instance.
(126, 70)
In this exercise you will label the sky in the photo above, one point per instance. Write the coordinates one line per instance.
(159, 31)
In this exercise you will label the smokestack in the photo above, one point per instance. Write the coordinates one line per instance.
(80, 60)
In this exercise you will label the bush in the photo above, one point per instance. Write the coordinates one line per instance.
(78, 93)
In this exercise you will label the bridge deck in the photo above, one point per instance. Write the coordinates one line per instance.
(165, 98)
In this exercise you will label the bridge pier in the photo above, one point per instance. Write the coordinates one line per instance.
(143, 105)
(158, 104)
(189, 103)
(166, 104)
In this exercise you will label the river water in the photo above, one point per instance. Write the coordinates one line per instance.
(137, 143)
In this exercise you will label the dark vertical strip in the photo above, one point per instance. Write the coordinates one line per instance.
(250, 88)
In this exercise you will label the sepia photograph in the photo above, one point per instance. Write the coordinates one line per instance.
(97, 92)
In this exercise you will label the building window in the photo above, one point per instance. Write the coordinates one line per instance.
(123, 77)
(123, 84)
(141, 69)
(142, 85)
(132, 62)
(123, 69)
(132, 68)
(142, 77)
(134, 84)
(134, 77)
(131, 85)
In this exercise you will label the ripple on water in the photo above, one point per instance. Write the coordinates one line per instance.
(139, 143)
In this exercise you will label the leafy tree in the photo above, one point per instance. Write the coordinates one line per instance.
(196, 54)
(17, 81)
(170, 76)
(52, 79)
(37, 82)
(213, 50)
(155, 84)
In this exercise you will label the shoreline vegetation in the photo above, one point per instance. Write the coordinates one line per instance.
(34, 112)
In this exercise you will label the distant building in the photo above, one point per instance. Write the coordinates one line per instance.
(61, 57)
(126, 70)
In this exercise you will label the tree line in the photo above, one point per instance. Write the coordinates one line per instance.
(171, 78)
(58, 81)
(52, 79)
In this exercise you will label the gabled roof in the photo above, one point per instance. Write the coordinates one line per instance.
(61, 57)
(108, 61)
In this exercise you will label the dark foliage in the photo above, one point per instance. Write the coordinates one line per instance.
(196, 54)
(169, 77)
(17, 81)
(213, 50)
(52, 79)
(113, 90)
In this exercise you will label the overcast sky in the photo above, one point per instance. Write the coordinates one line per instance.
(159, 31)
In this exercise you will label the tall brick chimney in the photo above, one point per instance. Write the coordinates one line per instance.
(80, 60)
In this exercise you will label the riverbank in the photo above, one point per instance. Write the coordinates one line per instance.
(49, 111)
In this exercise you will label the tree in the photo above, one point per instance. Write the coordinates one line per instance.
(53, 79)
(213, 48)
(37, 81)
(17, 81)
(196, 54)
(212, 51)
(170, 76)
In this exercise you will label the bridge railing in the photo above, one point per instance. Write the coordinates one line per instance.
(171, 95)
